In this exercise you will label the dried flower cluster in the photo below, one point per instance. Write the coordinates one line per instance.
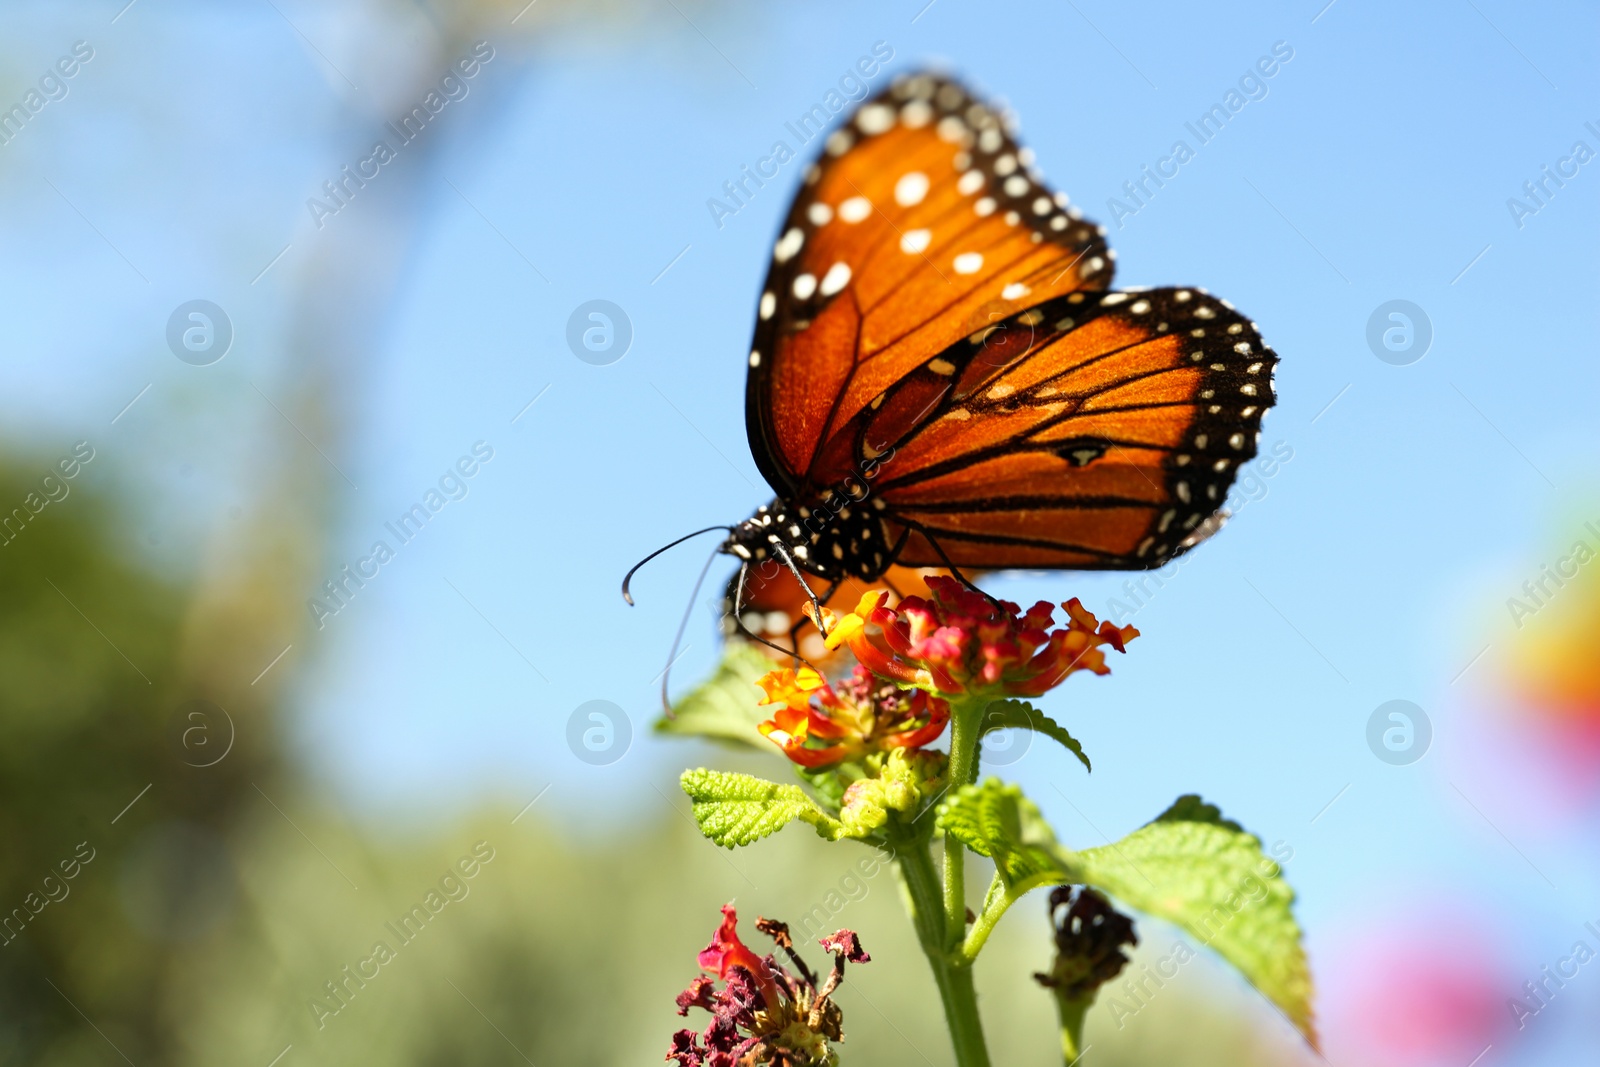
(763, 1015)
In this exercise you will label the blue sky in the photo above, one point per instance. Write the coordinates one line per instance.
(1376, 565)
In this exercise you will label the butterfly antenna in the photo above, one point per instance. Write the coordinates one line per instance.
(627, 578)
(683, 624)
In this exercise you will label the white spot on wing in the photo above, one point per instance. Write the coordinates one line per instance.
(837, 278)
(875, 118)
(788, 245)
(911, 188)
(855, 209)
(916, 114)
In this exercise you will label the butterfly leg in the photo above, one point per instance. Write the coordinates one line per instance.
(954, 570)
(794, 631)
(738, 618)
(781, 550)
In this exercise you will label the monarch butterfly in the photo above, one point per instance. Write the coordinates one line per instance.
(941, 377)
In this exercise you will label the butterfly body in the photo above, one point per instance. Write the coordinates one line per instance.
(832, 536)
(941, 377)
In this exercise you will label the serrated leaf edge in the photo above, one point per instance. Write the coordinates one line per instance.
(1029, 717)
(747, 831)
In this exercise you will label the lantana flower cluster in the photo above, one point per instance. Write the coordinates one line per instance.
(959, 642)
(918, 655)
(818, 725)
(763, 1015)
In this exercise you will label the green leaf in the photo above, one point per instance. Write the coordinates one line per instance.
(997, 821)
(1204, 873)
(725, 707)
(736, 809)
(1021, 715)
(1190, 866)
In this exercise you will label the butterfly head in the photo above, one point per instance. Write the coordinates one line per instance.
(765, 534)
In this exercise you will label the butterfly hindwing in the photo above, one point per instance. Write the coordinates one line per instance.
(1093, 431)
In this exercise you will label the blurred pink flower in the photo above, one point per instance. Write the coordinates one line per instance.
(1418, 991)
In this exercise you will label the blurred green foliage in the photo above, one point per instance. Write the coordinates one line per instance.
(216, 907)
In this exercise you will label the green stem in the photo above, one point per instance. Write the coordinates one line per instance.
(997, 903)
(1072, 1013)
(922, 884)
(954, 981)
(965, 723)
(961, 1013)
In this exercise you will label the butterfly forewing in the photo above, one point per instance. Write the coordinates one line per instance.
(923, 222)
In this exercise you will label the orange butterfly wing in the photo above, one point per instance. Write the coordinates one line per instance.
(935, 324)
(922, 222)
(1094, 431)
